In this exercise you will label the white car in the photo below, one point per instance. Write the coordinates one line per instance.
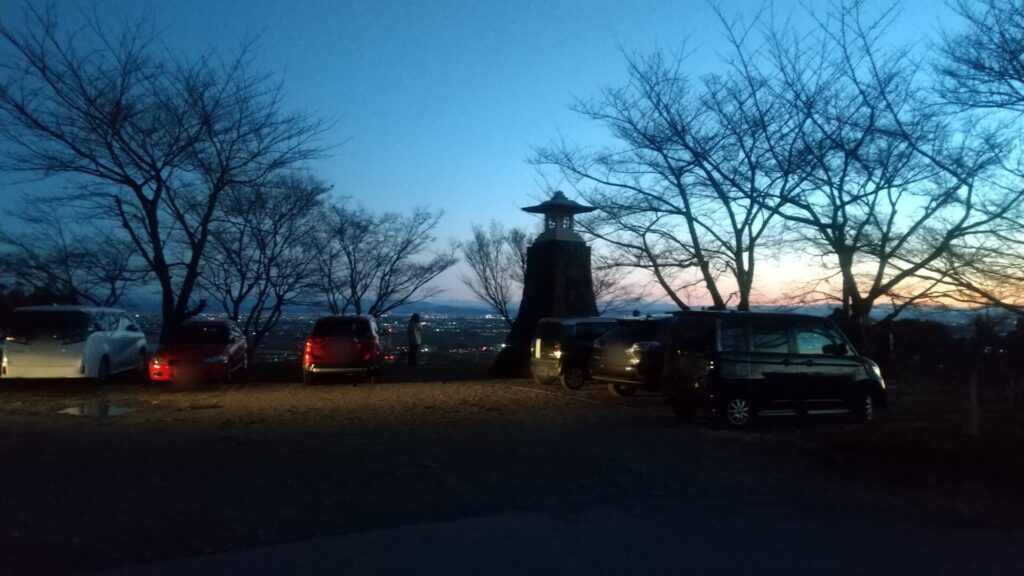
(71, 342)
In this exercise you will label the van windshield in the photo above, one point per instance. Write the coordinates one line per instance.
(56, 324)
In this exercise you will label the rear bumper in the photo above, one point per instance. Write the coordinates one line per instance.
(545, 369)
(625, 375)
(167, 373)
(43, 372)
(334, 369)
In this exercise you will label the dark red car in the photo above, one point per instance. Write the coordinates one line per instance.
(201, 350)
(342, 345)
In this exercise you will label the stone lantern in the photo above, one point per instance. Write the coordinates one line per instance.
(558, 280)
(559, 218)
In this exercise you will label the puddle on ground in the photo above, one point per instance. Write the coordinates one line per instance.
(96, 409)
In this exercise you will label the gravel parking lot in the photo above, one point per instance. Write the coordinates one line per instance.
(132, 474)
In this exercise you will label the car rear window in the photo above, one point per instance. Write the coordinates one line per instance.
(640, 331)
(341, 327)
(58, 324)
(592, 330)
(205, 333)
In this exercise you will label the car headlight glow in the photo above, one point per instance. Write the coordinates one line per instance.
(876, 371)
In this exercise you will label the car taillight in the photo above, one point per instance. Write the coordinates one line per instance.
(311, 350)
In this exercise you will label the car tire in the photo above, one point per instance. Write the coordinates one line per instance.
(573, 378)
(229, 374)
(866, 408)
(103, 372)
(308, 378)
(738, 411)
(622, 390)
(245, 363)
(142, 366)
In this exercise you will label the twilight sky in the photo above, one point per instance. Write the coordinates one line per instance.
(439, 103)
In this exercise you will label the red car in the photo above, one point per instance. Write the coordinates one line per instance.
(342, 345)
(201, 350)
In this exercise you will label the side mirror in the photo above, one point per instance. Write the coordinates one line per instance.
(834, 349)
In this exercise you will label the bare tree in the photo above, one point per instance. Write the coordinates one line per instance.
(152, 141)
(875, 201)
(262, 250)
(982, 66)
(681, 197)
(370, 261)
(80, 264)
(497, 259)
(981, 75)
(613, 290)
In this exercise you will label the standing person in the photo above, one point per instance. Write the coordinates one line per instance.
(415, 338)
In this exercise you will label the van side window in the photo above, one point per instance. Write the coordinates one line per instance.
(813, 339)
(770, 339)
(732, 337)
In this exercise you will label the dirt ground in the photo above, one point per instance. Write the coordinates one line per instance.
(133, 473)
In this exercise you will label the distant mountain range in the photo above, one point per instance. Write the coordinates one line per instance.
(150, 304)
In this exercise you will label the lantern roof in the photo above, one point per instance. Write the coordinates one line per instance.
(559, 204)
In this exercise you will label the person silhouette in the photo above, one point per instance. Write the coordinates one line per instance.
(415, 339)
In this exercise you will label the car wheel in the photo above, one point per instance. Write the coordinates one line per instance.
(245, 362)
(103, 372)
(308, 378)
(866, 409)
(573, 378)
(228, 373)
(683, 405)
(739, 411)
(142, 365)
(622, 390)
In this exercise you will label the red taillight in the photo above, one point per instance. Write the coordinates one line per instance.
(311, 351)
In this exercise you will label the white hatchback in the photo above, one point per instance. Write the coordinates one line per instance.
(71, 342)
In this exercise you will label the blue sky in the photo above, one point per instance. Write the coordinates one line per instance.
(440, 103)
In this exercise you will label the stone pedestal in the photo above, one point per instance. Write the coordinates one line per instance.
(558, 282)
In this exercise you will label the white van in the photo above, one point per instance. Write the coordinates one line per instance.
(71, 342)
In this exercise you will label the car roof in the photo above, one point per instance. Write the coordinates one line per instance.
(366, 317)
(570, 320)
(68, 308)
(749, 314)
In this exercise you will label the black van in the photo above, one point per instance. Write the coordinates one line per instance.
(562, 348)
(743, 364)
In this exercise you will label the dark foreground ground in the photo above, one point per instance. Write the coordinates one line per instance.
(430, 471)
